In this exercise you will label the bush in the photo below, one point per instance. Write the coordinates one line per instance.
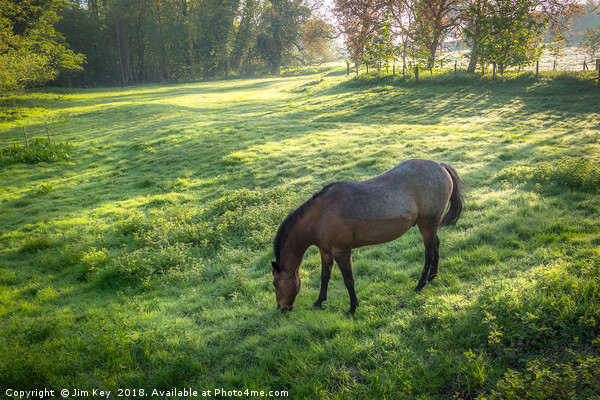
(545, 379)
(39, 151)
(573, 173)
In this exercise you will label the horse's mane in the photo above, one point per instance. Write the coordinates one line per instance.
(290, 221)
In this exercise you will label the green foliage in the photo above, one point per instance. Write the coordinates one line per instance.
(380, 50)
(545, 379)
(590, 43)
(318, 45)
(39, 151)
(31, 52)
(504, 32)
(556, 48)
(281, 24)
(130, 42)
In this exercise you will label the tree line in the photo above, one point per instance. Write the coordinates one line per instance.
(505, 33)
(136, 41)
(90, 42)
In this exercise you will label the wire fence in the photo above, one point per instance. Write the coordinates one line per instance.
(459, 61)
(26, 134)
(572, 59)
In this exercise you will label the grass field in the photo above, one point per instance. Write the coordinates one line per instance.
(138, 256)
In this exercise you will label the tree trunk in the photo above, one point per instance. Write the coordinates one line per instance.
(432, 53)
(163, 52)
(120, 51)
(474, 58)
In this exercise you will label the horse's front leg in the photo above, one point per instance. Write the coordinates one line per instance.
(344, 261)
(326, 266)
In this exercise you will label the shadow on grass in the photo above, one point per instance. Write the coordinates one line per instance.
(444, 99)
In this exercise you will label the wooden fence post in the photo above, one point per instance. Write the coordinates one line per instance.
(47, 132)
(598, 69)
(417, 73)
(494, 70)
(26, 142)
(537, 70)
(348, 66)
(455, 65)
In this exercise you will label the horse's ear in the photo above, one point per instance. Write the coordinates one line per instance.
(276, 267)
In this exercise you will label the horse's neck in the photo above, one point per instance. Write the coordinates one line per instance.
(299, 239)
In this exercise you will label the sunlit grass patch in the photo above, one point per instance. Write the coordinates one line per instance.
(572, 173)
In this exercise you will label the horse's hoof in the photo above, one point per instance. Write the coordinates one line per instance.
(431, 277)
(318, 305)
(419, 288)
(350, 312)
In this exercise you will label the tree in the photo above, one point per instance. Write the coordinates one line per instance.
(514, 28)
(557, 48)
(212, 32)
(359, 20)
(504, 32)
(590, 43)
(432, 22)
(80, 25)
(380, 49)
(244, 48)
(280, 27)
(317, 41)
(31, 51)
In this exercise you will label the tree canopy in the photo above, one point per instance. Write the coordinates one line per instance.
(31, 50)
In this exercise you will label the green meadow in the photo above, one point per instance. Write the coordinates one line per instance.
(136, 249)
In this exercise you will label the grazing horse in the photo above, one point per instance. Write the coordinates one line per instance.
(345, 215)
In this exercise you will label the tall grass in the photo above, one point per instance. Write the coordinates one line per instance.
(143, 260)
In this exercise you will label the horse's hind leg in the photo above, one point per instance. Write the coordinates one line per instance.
(430, 240)
(433, 271)
(326, 266)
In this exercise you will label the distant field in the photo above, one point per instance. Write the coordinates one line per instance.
(571, 60)
(138, 257)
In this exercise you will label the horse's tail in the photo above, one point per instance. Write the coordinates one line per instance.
(456, 200)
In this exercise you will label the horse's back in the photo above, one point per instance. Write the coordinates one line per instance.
(411, 189)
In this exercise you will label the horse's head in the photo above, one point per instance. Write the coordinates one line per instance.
(287, 287)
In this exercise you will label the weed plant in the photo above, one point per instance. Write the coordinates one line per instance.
(39, 151)
(143, 262)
